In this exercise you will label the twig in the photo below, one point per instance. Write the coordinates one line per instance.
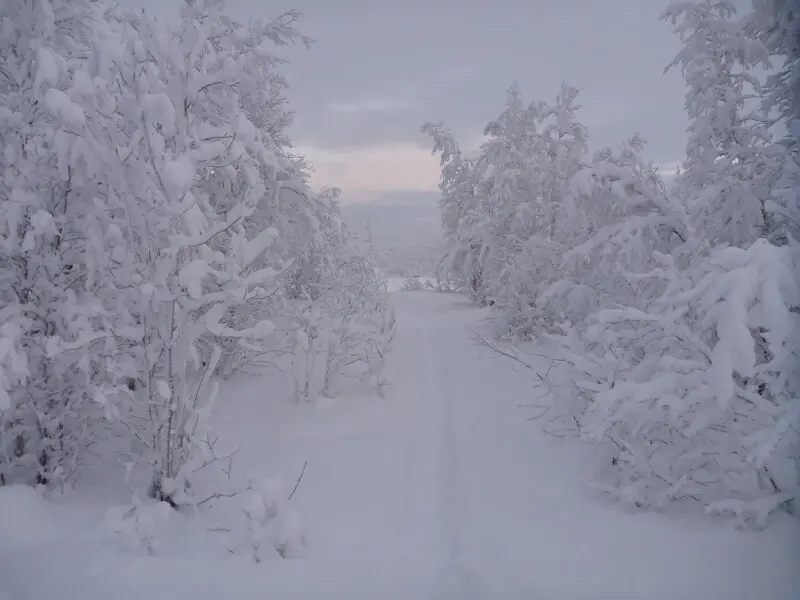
(485, 342)
(305, 464)
(512, 354)
(219, 495)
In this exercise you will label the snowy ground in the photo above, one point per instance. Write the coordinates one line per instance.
(395, 284)
(441, 490)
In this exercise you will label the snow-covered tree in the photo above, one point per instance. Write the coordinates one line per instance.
(691, 380)
(343, 321)
(617, 215)
(504, 210)
(776, 23)
(360, 326)
(731, 163)
(671, 314)
(698, 406)
(544, 224)
(53, 235)
(459, 205)
(188, 170)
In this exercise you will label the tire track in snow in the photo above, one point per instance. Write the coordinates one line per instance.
(457, 581)
(464, 585)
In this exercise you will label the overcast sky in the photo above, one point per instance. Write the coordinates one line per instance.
(379, 68)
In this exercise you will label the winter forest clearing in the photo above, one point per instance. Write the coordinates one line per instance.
(209, 389)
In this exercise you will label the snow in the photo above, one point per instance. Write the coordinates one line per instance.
(395, 284)
(256, 247)
(47, 71)
(444, 489)
(191, 277)
(159, 109)
(60, 105)
(28, 520)
(179, 174)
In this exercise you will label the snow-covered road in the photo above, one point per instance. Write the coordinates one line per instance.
(442, 490)
(459, 495)
(464, 497)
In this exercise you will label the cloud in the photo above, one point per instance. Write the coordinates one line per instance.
(371, 172)
(366, 173)
(374, 105)
(364, 85)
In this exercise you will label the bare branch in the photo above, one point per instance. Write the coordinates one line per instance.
(297, 483)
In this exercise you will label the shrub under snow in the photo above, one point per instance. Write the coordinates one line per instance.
(156, 233)
(671, 315)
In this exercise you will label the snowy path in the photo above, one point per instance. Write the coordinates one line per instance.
(441, 491)
(456, 495)
(461, 497)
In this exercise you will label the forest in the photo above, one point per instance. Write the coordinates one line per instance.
(174, 291)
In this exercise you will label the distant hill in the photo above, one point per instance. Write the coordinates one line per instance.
(406, 234)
